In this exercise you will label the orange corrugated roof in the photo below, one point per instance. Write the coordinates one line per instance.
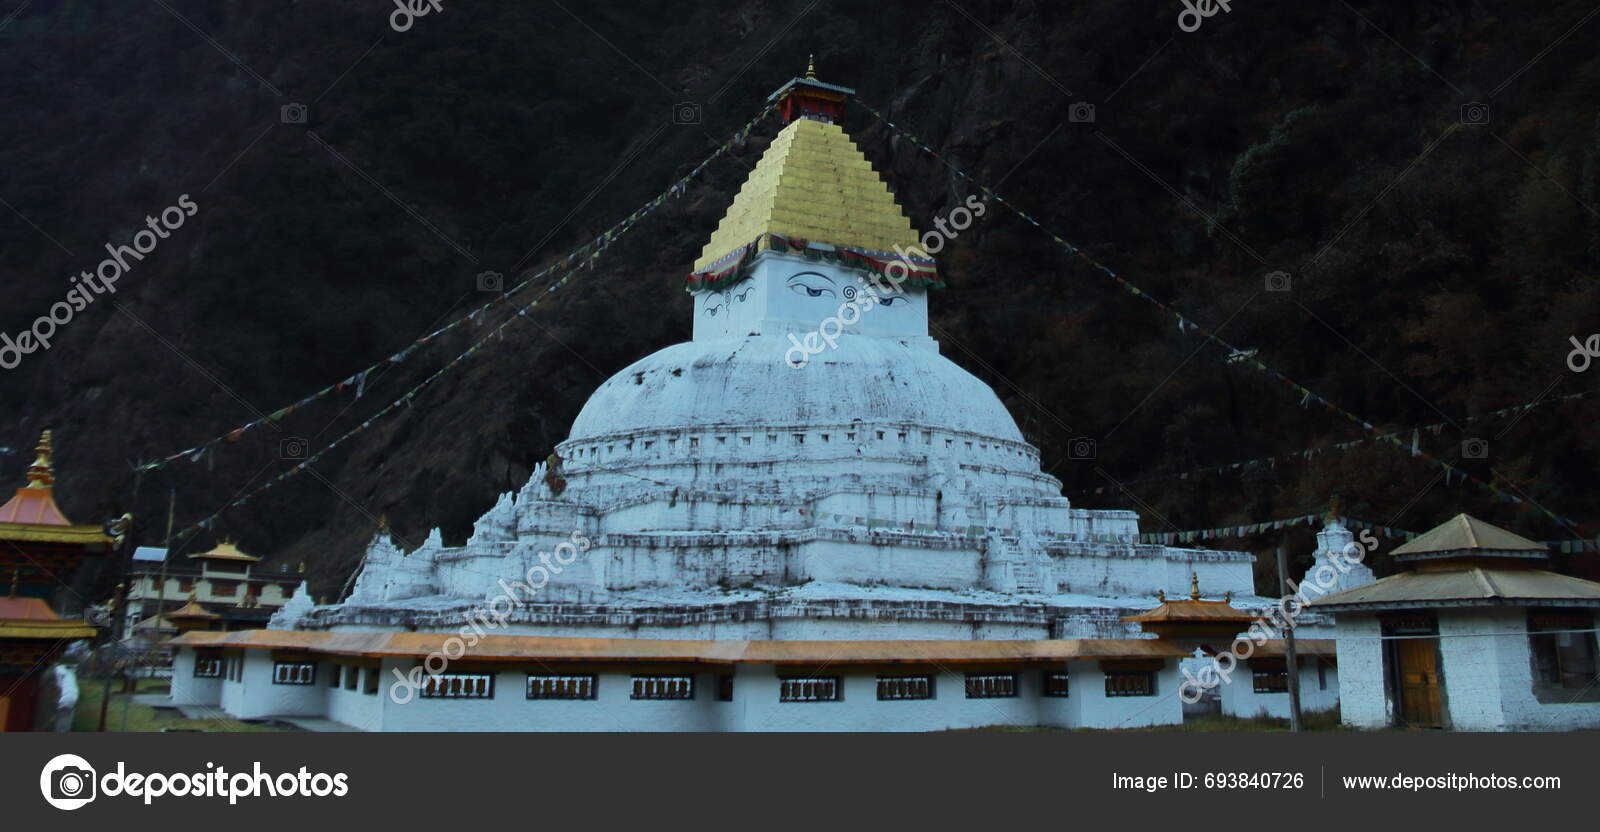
(561, 648)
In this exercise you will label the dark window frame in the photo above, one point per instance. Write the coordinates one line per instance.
(587, 687)
(1117, 689)
(793, 689)
(903, 688)
(439, 685)
(1574, 666)
(1048, 688)
(976, 682)
(278, 675)
(634, 691)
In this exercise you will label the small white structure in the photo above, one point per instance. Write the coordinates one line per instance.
(1474, 637)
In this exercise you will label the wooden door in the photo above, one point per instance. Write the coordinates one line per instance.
(1418, 672)
(5, 711)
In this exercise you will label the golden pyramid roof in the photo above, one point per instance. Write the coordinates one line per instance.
(1464, 534)
(226, 550)
(814, 184)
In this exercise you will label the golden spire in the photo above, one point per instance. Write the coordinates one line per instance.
(1194, 586)
(1333, 509)
(1161, 595)
(811, 67)
(43, 470)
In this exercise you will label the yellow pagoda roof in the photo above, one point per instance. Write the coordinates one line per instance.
(226, 550)
(813, 184)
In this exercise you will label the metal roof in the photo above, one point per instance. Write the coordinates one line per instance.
(1468, 535)
(149, 553)
(1475, 586)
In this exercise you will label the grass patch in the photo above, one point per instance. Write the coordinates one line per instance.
(126, 715)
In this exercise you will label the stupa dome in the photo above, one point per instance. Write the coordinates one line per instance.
(745, 382)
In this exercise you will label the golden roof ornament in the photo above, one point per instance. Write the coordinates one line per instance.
(811, 67)
(1194, 586)
(42, 473)
(1161, 595)
(1333, 509)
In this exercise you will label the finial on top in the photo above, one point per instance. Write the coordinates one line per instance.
(43, 470)
(811, 67)
(1194, 586)
(1333, 509)
(1161, 595)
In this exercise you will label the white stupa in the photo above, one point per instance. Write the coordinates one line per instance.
(759, 482)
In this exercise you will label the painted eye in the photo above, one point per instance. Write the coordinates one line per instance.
(812, 291)
(891, 301)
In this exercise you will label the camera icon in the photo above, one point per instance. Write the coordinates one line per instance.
(1474, 112)
(292, 113)
(68, 782)
(1474, 449)
(491, 282)
(686, 113)
(1082, 448)
(293, 448)
(1277, 281)
(1081, 112)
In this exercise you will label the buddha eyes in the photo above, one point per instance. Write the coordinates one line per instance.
(811, 284)
(891, 301)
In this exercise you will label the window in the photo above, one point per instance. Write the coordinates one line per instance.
(458, 686)
(1131, 683)
(224, 589)
(1563, 655)
(186, 585)
(352, 677)
(333, 675)
(371, 687)
(1055, 684)
(207, 666)
(569, 686)
(898, 688)
(294, 673)
(809, 689)
(991, 685)
(663, 687)
(1270, 679)
(724, 688)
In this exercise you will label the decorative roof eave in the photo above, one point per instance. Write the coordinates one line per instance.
(44, 533)
(1470, 587)
(704, 651)
(56, 630)
(736, 265)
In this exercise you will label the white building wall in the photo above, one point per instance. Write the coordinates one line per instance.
(1362, 702)
(1521, 709)
(188, 690)
(1096, 710)
(1473, 661)
(257, 697)
(1316, 693)
(355, 708)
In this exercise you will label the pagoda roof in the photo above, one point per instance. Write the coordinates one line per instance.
(1475, 586)
(1467, 536)
(32, 618)
(32, 514)
(191, 611)
(226, 550)
(812, 184)
(1192, 610)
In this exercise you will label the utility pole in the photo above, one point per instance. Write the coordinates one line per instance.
(1290, 662)
(161, 589)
